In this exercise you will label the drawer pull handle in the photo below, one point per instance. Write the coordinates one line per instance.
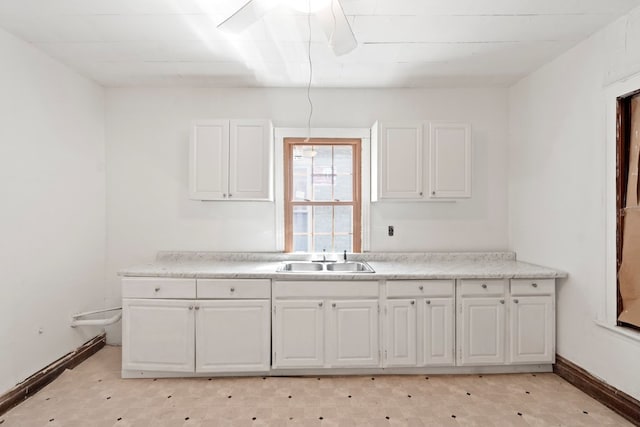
(421, 287)
(535, 285)
(232, 289)
(413, 302)
(515, 300)
(333, 305)
(484, 286)
(157, 289)
(501, 301)
(319, 304)
(428, 301)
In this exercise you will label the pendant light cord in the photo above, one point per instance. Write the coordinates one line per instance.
(310, 77)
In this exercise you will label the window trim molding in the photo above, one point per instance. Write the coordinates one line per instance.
(607, 315)
(364, 134)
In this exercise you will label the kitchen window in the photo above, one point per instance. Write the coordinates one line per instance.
(322, 188)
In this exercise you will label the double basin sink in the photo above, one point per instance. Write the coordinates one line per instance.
(325, 267)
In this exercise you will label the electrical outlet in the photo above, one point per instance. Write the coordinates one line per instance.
(391, 231)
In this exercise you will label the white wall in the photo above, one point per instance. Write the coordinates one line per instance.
(557, 177)
(52, 208)
(147, 146)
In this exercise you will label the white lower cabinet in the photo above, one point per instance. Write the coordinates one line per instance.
(502, 322)
(352, 336)
(158, 335)
(419, 331)
(481, 332)
(209, 326)
(190, 335)
(233, 335)
(328, 324)
(401, 338)
(438, 332)
(298, 333)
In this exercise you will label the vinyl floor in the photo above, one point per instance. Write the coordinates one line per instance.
(93, 394)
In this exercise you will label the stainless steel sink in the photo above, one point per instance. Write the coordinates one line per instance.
(350, 266)
(325, 267)
(301, 267)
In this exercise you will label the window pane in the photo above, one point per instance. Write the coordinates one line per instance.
(322, 219)
(321, 242)
(343, 188)
(301, 188)
(343, 219)
(343, 242)
(323, 157)
(322, 185)
(301, 243)
(301, 219)
(343, 159)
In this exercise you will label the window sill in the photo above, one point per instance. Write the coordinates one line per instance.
(620, 330)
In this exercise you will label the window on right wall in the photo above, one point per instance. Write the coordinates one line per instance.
(628, 209)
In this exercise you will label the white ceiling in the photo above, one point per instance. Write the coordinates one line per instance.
(401, 43)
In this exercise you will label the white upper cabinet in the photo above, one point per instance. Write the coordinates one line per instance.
(450, 160)
(400, 162)
(231, 160)
(421, 161)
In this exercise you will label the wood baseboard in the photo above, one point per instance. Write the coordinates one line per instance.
(611, 397)
(37, 381)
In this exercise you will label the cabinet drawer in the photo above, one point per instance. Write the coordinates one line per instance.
(480, 287)
(154, 287)
(532, 287)
(325, 289)
(418, 288)
(234, 288)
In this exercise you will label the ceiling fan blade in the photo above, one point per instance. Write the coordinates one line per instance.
(251, 12)
(335, 25)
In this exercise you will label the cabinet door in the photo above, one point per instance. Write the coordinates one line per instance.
(233, 335)
(158, 335)
(437, 332)
(532, 329)
(400, 160)
(298, 334)
(481, 331)
(352, 335)
(400, 333)
(450, 160)
(250, 160)
(209, 160)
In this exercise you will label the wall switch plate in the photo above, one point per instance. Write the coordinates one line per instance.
(391, 230)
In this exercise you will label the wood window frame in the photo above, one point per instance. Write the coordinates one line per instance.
(623, 145)
(356, 203)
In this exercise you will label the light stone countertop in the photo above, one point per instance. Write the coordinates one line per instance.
(387, 266)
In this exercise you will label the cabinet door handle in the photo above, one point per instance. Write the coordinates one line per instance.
(428, 301)
(433, 193)
(320, 304)
(421, 287)
(535, 285)
(229, 194)
(413, 302)
(421, 193)
(484, 286)
(190, 307)
(224, 195)
(333, 305)
(515, 300)
(232, 289)
(157, 289)
(501, 301)
(197, 307)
